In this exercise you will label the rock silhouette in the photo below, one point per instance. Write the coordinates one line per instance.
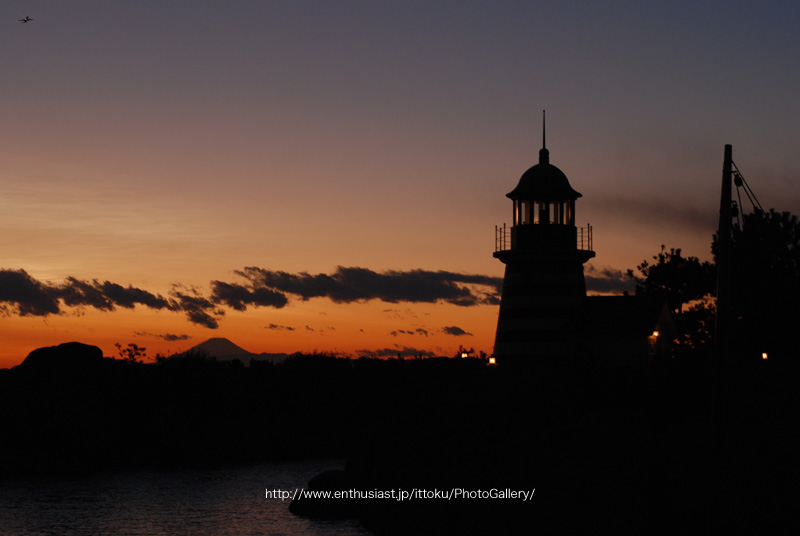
(69, 356)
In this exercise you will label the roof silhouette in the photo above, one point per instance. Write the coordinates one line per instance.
(544, 182)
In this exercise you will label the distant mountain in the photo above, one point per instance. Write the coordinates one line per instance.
(225, 350)
(220, 348)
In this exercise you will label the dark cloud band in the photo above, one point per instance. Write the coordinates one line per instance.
(22, 294)
(347, 285)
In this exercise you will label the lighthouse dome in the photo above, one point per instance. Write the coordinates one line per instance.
(544, 182)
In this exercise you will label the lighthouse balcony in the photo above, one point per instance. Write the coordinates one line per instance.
(543, 236)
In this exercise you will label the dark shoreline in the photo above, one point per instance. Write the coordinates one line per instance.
(612, 449)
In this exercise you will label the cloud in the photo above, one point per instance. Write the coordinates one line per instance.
(418, 331)
(106, 296)
(319, 330)
(402, 351)
(129, 296)
(490, 298)
(607, 280)
(174, 337)
(166, 336)
(455, 330)
(399, 314)
(347, 285)
(81, 293)
(22, 294)
(198, 309)
(238, 297)
(279, 327)
(31, 297)
(672, 211)
(26, 295)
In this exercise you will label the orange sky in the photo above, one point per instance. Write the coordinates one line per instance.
(354, 328)
(150, 145)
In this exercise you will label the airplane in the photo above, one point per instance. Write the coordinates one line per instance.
(25, 20)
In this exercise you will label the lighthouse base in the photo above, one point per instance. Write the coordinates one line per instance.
(541, 300)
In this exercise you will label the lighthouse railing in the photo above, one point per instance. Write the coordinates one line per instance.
(585, 237)
(502, 238)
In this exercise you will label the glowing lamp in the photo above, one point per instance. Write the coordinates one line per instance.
(655, 334)
(764, 355)
(492, 361)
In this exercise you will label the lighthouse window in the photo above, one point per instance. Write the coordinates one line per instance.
(544, 213)
(522, 212)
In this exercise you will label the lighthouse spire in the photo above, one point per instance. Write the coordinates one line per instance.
(544, 154)
(544, 144)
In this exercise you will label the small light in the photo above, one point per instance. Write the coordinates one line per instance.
(655, 334)
(764, 355)
(492, 361)
(464, 354)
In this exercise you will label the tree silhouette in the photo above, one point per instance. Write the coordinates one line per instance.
(697, 323)
(679, 281)
(765, 281)
(133, 353)
(675, 278)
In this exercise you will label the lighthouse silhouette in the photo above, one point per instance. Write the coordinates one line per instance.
(544, 287)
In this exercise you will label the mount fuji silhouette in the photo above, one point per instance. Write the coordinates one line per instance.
(225, 350)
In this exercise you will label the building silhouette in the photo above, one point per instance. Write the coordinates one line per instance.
(545, 316)
(544, 252)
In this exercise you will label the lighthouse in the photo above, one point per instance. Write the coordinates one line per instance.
(543, 288)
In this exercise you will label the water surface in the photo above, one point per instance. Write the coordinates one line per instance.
(174, 502)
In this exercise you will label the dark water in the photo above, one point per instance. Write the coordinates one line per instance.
(186, 501)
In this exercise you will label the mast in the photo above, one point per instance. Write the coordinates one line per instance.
(724, 260)
(723, 362)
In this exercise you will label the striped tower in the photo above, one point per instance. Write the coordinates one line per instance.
(543, 286)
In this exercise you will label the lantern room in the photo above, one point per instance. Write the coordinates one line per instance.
(544, 208)
(544, 195)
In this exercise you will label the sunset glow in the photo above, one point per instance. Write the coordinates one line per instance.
(317, 176)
